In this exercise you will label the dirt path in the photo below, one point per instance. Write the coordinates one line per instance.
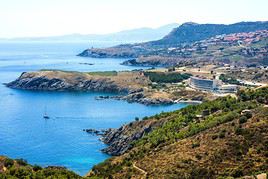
(141, 170)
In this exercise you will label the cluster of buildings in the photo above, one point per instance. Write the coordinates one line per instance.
(240, 38)
(212, 85)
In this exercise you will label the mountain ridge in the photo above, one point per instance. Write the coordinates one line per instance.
(130, 36)
(199, 32)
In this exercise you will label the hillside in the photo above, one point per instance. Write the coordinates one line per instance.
(223, 138)
(19, 168)
(181, 37)
(241, 49)
(192, 32)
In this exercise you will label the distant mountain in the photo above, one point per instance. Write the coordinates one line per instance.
(127, 36)
(192, 32)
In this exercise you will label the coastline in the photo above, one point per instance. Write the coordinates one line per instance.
(130, 86)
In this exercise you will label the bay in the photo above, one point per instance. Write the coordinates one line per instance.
(60, 140)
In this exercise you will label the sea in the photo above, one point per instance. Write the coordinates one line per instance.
(60, 140)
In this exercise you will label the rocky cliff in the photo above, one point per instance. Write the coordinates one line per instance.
(65, 81)
(121, 140)
(131, 86)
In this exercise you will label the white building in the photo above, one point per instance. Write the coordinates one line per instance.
(204, 84)
(215, 85)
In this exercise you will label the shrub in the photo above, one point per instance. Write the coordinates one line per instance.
(145, 118)
(36, 168)
(214, 137)
(198, 157)
(21, 162)
(23, 172)
(171, 77)
(243, 119)
(237, 173)
(238, 131)
(222, 134)
(194, 145)
(8, 162)
(248, 115)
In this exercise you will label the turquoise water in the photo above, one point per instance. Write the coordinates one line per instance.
(59, 140)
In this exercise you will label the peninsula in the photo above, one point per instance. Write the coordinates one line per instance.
(149, 88)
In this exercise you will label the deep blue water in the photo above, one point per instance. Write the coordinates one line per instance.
(60, 140)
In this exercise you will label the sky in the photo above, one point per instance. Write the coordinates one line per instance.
(36, 18)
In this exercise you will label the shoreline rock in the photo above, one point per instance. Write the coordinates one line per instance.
(75, 81)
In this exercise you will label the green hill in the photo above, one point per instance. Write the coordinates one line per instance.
(227, 137)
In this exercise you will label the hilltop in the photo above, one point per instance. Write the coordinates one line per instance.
(192, 32)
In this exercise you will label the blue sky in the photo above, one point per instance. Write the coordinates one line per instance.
(23, 18)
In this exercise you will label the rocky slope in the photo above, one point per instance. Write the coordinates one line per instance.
(121, 139)
(229, 140)
(65, 81)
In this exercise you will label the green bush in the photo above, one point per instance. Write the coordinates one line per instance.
(8, 162)
(21, 162)
(229, 79)
(248, 115)
(194, 145)
(222, 134)
(237, 173)
(214, 137)
(170, 77)
(36, 168)
(243, 119)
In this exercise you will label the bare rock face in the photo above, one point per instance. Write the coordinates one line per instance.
(141, 98)
(45, 82)
(121, 139)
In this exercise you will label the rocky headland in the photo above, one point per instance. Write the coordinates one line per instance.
(66, 81)
(131, 86)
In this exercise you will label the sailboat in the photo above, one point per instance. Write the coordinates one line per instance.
(45, 116)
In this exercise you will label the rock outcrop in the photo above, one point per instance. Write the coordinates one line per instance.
(141, 98)
(131, 86)
(120, 51)
(65, 81)
(121, 139)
